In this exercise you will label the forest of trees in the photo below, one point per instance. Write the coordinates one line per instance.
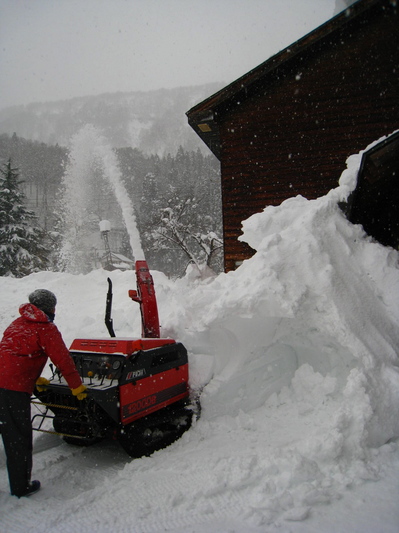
(176, 201)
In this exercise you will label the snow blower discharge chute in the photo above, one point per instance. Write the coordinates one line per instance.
(138, 391)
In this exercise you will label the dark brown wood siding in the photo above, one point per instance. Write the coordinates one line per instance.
(294, 132)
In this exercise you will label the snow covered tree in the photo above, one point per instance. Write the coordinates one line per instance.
(21, 249)
(183, 227)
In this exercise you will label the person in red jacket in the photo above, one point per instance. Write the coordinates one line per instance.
(26, 345)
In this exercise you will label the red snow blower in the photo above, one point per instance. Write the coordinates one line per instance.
(138, 390)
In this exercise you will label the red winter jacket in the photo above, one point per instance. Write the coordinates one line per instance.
(25, 347)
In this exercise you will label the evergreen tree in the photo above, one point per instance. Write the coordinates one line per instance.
(21, 251)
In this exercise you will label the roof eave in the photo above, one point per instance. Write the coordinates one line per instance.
(206, 112)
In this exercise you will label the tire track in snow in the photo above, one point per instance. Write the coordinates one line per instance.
(161, 498)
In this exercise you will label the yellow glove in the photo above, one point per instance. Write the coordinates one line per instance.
(41, 384)
(79, 392)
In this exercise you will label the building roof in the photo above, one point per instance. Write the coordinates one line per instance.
(204, 116)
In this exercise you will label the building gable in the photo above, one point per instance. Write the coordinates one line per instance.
(288, 126)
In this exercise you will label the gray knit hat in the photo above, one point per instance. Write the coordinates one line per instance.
(44, 300)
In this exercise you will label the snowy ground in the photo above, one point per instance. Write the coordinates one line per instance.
(296, 354)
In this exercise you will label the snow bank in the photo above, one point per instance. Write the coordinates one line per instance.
(318, 291)
(296, 354)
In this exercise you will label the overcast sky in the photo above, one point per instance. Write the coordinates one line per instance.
(58, 49)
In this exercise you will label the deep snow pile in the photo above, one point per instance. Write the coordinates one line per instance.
(296, 354)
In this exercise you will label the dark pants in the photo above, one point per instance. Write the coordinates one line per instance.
(16, 430)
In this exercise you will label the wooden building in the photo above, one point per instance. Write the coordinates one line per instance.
(287, 127)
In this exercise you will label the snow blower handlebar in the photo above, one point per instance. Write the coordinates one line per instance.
(108, 307)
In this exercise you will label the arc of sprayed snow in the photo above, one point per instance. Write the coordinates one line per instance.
(112, 170)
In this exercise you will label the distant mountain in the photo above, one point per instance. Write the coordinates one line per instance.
(154, 121)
